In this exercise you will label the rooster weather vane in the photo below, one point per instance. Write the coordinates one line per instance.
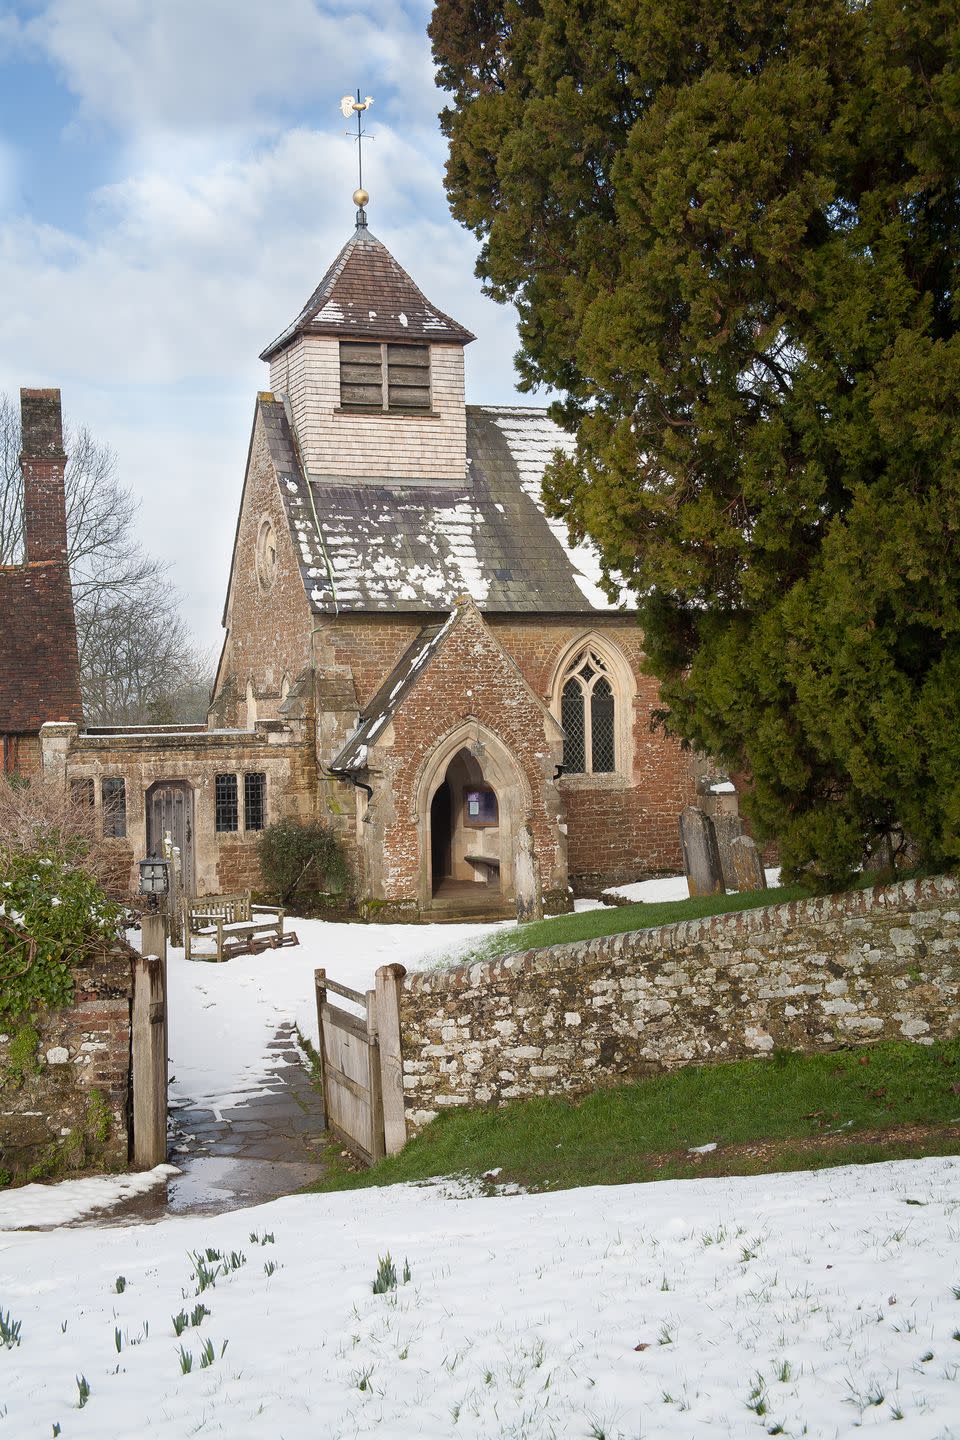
(348, 108)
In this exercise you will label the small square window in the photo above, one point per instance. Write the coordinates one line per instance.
(227, 810)
(113, 793)
(254, 801)
(480, 807)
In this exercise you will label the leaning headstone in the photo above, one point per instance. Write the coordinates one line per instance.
(747, 864)
(727, 828)
(701, 860)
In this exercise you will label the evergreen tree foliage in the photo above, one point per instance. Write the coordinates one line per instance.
(731, 232)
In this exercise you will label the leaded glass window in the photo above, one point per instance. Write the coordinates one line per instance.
(113, 792)
(254, 801)
(588, 716)
(225, 800)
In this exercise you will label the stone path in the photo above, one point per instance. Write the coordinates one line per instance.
(251, 1152)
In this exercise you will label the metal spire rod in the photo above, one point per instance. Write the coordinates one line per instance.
(348, 107)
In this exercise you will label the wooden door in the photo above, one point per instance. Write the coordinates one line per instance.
(170, 808)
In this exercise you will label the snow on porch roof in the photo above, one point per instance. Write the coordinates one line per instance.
(381, 709)
(366, 294)
(388, 546)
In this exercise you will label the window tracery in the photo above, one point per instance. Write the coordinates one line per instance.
(588, 715)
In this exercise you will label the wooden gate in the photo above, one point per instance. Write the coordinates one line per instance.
(360, 1064)
(170, 808)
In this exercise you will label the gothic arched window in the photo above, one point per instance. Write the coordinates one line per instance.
(588, 716)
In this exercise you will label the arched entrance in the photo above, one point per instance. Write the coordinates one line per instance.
(472, 806)
(465, 846)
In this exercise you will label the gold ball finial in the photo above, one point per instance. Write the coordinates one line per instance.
(360, 197)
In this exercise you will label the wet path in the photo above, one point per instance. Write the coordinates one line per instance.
(242, 1154)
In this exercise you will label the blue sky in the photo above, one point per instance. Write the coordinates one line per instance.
(174, 180)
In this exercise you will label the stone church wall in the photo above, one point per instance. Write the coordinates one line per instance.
(269, 631)
(881, 964)
(342, 444)
(64, 1076)
(224, 861)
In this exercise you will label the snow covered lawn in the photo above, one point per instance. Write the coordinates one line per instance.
(223, 1017)
(796, 1304)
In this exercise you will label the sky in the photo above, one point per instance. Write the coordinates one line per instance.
(175, 178)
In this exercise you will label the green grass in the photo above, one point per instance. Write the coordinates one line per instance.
(615, 919)
(641, 1131)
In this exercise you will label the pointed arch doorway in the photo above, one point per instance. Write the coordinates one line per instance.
(472, 800)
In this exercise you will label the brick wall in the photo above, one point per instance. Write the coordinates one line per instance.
(42, 463)
(812, 975)
(268, 636)
(63, 1104)
(433, 446)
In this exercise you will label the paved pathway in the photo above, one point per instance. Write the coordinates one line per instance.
(254, 1151)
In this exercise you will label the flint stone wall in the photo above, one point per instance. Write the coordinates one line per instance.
(51, 1121)
(878, 964)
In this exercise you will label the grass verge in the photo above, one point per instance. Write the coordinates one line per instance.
(787, 1112)
(615, 919)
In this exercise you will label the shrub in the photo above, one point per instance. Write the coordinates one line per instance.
(50, 914)
(43, 816)
(296, 857)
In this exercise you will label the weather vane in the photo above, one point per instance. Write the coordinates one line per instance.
(348, 108)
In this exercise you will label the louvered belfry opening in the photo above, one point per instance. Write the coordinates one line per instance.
(384, 376)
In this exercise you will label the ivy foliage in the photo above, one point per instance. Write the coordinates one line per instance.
(51, 912)
(300, 858)
(732, 232)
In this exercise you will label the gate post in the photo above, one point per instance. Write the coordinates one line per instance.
(320, 985)
(149, 1046)
(389, 982)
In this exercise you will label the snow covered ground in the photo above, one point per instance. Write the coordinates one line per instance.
(795, 1304)
(671, 887)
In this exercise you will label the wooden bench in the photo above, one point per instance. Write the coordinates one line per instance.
(491, 864)
(234, 925)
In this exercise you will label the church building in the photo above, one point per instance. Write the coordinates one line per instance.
(413, 652)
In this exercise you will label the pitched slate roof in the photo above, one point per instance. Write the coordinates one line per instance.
(366, 295)
(395, 546)
(39, 670)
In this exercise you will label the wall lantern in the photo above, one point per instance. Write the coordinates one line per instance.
(154, 876)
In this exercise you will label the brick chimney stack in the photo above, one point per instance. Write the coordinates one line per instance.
(42, 462)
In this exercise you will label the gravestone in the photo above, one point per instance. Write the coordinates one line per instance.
(701, 859)
(747, 864)
(727, 828)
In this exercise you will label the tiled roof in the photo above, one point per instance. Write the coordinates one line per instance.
(367, 295)
(39, 670)
(390, 546)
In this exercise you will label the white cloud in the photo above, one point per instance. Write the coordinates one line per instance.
(188, 64)
(153, 321)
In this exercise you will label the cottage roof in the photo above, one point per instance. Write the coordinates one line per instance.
(366, 294)
(384, 545)
(39, 669)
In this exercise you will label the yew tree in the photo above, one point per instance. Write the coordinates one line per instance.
(731, 234)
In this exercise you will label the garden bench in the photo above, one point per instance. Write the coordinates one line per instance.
(233, 924)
